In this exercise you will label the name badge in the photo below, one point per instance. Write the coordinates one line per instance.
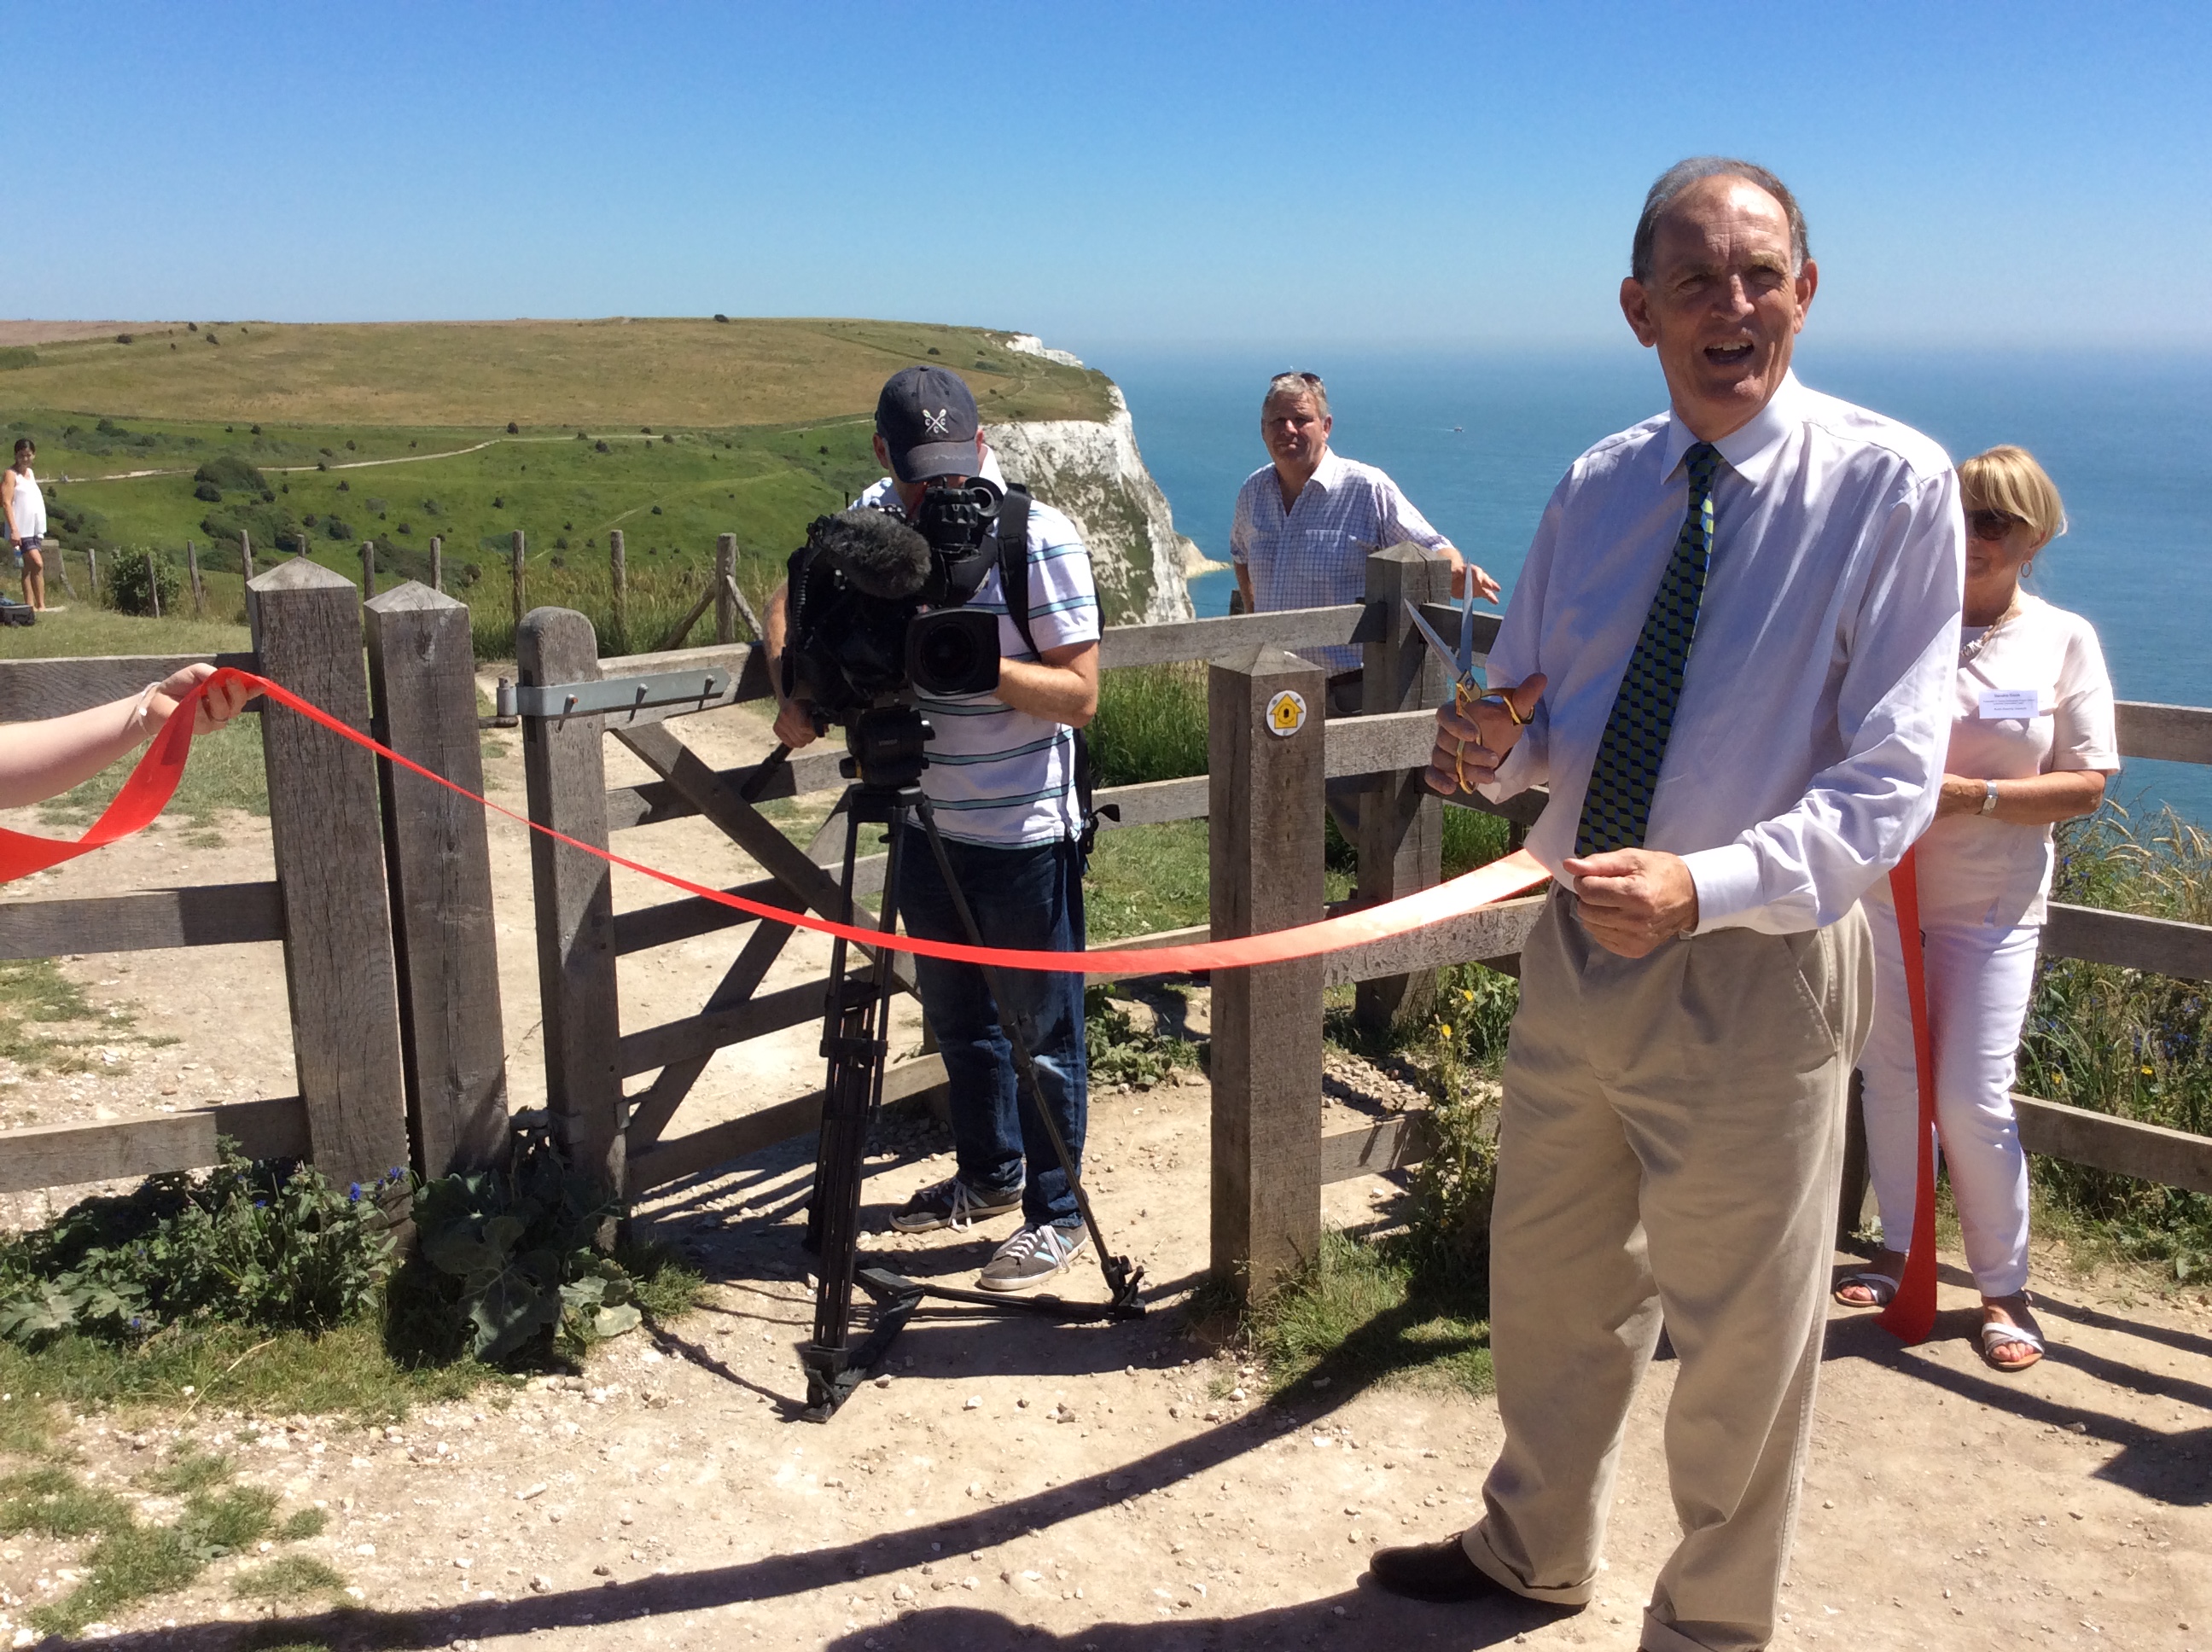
(1998, 704)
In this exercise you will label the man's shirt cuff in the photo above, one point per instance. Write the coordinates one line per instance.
(1727, 882)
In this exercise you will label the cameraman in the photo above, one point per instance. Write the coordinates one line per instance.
(1002, 783)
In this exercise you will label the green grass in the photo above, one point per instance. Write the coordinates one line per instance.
(347, 1371)
(131, 1561)
(1363, 1314)
(2127, 1042)
(81, 629)
(287, 1577)
(53, 1503)
(608, 375)
(1151, 725)
(35, 995)
(189, 1472)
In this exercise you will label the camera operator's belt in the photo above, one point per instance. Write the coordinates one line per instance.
(151, 783)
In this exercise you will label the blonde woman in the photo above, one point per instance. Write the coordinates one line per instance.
(2031, 743)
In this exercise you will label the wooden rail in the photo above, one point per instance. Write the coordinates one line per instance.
(1274, 1162)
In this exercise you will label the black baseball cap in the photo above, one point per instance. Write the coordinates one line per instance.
(927, 419)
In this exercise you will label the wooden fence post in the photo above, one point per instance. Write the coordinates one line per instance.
(369, 568)
(92, 570)
(437, 564)
(726, 587)
(618, 574)
(520, 552)
(329, 842)
(193, 567)
(245, 554)
(1401, 826)
(421, 679)
(1264, 756)
(153, 583)
(565, 771)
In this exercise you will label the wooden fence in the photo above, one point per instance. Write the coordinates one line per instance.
(382, 903)
(381, 900)
(1261, 797)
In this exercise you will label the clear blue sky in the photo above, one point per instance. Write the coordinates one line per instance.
(1108, 176)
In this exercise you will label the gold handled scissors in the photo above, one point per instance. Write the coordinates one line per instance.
(1467, 692)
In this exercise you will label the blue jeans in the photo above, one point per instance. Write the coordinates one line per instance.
(1029, 898)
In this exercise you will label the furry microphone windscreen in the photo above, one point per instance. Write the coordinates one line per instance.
(880, 555)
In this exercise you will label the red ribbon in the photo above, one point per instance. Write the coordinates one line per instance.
(1911, 1314)
(155, 778)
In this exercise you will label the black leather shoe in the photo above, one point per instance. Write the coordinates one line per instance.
(1433, 1572)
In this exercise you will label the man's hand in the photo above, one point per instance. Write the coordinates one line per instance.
(1464, 572)
(794, 722)
(1470, 745)
(1634, 899)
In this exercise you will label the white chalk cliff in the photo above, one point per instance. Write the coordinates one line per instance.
(1093, 472)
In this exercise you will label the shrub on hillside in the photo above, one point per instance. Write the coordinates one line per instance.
(207, 491)
(270, 525)
(232, 474)
(336, 529)
(128, 582)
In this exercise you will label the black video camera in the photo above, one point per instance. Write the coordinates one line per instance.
(877, 606)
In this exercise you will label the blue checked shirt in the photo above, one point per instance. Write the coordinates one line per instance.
(1314, 556)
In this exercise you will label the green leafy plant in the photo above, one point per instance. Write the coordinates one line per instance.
(515, 1253)
(130, 579)
(268, 1244)
(1117, 1052)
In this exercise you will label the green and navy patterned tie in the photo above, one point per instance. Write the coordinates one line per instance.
(1617, 807)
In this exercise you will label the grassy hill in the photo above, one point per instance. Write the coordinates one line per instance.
(562, 374)
(321, 437)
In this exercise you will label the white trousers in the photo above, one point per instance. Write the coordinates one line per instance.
(1978, 983)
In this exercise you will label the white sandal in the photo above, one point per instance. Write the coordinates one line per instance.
(1879, 1286)
(1996, 1332)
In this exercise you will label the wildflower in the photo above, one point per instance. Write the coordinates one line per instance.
(353, 1193)
(1444, 1028)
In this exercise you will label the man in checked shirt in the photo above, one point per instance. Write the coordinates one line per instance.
(1305, 528)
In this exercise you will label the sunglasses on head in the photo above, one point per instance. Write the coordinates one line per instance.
(1292, 372)
(1990, 525)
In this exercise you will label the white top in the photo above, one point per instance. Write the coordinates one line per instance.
(1807, 744)
(1315, 555)
(26, 506)
(1976, 871)
(996, 776)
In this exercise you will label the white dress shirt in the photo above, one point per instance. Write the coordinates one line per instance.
(1808, 745)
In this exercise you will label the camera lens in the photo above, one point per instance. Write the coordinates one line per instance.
(953, 651)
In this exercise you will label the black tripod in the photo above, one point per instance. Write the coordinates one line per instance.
(887, 759)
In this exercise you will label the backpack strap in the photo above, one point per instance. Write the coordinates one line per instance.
(1014, 585)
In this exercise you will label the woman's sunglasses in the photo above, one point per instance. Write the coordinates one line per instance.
(1989, 524)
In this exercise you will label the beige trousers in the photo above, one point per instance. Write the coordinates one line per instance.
(1668, 1151)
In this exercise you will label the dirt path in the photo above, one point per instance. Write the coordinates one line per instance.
(1117, 1487)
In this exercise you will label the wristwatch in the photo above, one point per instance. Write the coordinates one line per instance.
(1988, 797)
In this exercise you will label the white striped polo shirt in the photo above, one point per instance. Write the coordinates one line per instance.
(996, 776)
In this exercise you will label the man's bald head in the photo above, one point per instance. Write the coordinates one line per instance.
(1678, 179)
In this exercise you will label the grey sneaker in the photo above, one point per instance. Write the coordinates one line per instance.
(1032, 1256)
(952, 1204)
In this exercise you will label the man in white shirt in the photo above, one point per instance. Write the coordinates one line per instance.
(1729, 655)
(1002, 782)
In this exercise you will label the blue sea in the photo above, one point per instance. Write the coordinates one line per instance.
(1478, 442)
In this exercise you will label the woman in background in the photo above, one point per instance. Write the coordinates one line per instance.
(25, 509)
(2031, 743)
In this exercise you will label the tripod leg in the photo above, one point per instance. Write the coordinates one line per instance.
(854, 1037)
(1117, 1268)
